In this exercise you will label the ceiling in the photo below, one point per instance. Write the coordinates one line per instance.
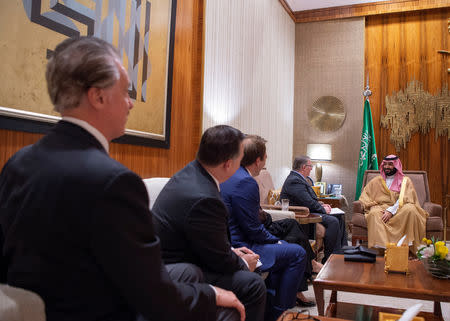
(302, 5)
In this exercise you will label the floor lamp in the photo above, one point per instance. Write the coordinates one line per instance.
(319, 153)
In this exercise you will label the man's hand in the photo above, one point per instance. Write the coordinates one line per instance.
(243, 250)
(249, 256)
(327, 208)
(386, 216)
(227, 299)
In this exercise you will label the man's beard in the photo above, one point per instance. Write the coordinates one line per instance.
(389, 171)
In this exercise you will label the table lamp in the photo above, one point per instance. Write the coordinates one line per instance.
(319, 153)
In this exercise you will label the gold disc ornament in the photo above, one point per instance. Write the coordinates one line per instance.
(327, 114)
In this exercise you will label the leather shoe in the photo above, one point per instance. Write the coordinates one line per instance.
(306, 304)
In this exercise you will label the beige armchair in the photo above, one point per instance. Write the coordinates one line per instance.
(267, 190)
(17, 304)
(434, 225)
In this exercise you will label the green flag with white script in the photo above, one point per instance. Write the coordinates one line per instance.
(368, 152)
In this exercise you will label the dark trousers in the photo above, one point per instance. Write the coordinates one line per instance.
(344, 238)
(333, 235)
(249, 288)
(284, 278)
(190, 273)
(292, 231)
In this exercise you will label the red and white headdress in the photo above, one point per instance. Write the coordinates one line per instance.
(397, 183)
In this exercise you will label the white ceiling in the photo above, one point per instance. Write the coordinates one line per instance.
(301, 5)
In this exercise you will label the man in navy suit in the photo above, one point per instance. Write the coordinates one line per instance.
(192, 220)
(285, 261)
(74, 224)
(297, 188)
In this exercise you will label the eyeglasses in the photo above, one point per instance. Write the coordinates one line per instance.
(298, 316)
(308, 165)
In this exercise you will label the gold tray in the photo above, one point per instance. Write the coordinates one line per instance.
(383, 316)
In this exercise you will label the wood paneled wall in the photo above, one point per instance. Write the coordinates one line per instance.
(400, 48)
(186, 106)
(363, 9)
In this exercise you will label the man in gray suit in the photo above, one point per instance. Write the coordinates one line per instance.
(74, 224)
(297, 188)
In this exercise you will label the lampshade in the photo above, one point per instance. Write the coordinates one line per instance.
(319, 152)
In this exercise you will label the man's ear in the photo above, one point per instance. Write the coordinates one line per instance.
(227, 164)
(96, 97)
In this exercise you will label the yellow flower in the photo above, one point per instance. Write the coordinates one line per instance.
(429, 242)
(424, 240)
(443, 250)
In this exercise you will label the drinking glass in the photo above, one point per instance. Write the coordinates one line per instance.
(285, 204)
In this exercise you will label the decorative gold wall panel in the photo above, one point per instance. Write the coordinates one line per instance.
(414, 109)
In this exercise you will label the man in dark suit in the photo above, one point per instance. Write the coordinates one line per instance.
(192, 220)
(285, 261)
(297, 188)
(74, 224)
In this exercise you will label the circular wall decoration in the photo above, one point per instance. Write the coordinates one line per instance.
(327, 114)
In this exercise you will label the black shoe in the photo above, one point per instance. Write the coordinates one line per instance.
(306, 304)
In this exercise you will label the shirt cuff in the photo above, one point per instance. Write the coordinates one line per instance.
(214, 289)
(248, 267)
(393, 209)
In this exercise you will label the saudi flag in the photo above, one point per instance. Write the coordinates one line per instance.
(367, 153)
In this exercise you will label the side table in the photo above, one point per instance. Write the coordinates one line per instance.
(333, 201)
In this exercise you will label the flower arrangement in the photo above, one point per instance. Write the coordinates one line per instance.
(435, 257)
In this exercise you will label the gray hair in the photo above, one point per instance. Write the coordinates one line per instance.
(299, 162)
(78, 64)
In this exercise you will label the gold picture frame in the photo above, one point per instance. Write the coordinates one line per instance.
(142, 31)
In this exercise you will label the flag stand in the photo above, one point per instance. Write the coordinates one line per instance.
(367, 153)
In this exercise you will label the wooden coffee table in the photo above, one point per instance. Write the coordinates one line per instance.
(289, 316)
(370, 278)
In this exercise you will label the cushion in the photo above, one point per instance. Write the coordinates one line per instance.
(273, 196)
(265, 184)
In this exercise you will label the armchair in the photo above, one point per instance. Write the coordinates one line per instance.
(434, 225)
(154, 186)
(268, 196)
(17, 304)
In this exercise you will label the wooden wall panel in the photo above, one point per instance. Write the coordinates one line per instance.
(186, 106)
(364, 9)
(400, 48)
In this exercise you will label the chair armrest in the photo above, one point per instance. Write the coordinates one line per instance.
(433, 208)
(280, 215)
(299, 210)
(358, 207)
